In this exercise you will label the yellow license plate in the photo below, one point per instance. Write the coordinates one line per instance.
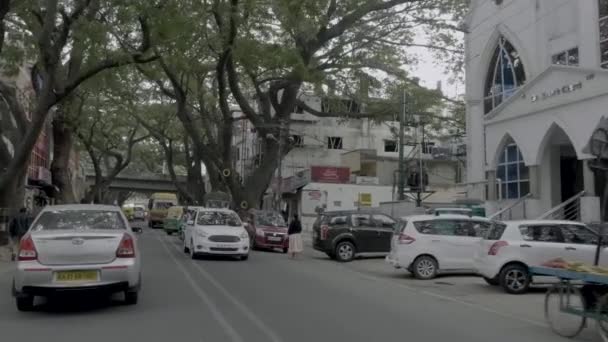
(76, 276)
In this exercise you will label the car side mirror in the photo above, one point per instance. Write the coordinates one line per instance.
(137, 230)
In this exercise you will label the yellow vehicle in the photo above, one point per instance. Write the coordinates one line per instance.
(173, 220)
(128, 211)
(159, 205)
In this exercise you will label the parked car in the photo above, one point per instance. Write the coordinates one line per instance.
(77, 248)
(428, 245)
(216, 231)
(344, 235)
(504, 255)
(173, 220)
(267, 230)
(139, 213)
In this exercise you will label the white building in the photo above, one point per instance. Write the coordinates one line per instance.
(536, 89)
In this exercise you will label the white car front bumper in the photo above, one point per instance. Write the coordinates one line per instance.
(204, 246)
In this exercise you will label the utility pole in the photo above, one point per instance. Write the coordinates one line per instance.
(401, 187)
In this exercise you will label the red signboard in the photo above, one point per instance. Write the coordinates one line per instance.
(330, 174)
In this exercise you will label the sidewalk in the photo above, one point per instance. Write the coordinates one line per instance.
(5, 259)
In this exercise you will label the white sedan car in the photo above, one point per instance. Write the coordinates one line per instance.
(427, 245)
(504, 255)
(77, 248)
(216, 232)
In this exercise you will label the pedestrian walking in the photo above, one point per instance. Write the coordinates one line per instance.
(295, 237)
(17, 228)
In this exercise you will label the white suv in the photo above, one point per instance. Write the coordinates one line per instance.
(427, 245)
(506, 252)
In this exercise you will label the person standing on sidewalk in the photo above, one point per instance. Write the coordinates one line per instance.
(17, 228)
(295, 237)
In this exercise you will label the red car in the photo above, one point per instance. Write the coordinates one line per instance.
(267, 230)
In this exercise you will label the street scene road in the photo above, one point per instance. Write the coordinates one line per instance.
(272, 298)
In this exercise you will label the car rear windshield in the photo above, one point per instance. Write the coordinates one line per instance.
(79, 220)
(218, 218)
(495, 232)
(163, 205)
(269, 219)
(138, 209)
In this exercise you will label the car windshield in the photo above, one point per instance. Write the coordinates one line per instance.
(218, 218)
(79, 220)
(269, 219)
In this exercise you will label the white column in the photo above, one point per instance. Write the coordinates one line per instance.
(588, 179)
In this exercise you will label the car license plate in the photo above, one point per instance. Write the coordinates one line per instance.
(76, 276)
(275, 238)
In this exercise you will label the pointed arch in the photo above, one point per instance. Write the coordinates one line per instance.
(554, 134)
(511, 169)
(503, 66)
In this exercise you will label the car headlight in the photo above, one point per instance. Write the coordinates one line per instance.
(244, 235)
(259, 232)
(201, 234)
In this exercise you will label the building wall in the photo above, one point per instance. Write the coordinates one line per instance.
(537, 29)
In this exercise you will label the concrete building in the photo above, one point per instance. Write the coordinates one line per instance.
(361, 155)
(536, 88)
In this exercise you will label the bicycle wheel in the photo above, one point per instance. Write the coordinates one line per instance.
(602, 317)
(562, 303)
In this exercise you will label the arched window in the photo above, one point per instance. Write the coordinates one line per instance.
(505, 75)
(513, 174)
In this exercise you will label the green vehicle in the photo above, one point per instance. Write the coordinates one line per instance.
(172, 223)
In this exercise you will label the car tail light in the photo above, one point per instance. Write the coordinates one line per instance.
(27, 249)
(126, 248)
(405, 239)
(496, 247)
(324, 231)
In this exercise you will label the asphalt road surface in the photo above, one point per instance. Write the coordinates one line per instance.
(267, 298)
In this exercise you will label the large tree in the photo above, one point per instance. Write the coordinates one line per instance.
(60, 44)
(259, 59)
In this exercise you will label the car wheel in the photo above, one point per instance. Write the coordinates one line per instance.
(345, 251)
(131, 297)
(192, 253)
(186, 249)
(285, 250)
(425, 267)
(492, 281)
(25, 303)
(515, 279)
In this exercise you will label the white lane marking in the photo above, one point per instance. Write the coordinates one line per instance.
(274, 337)
(217, 314)
(446, 298)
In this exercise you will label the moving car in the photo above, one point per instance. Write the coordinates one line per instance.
(77, 248)
(504, 255)
(427, 245)
(172, 222)
(159, 205)
(139, 212)
(344, 235)
(216, 231)
(268, 230)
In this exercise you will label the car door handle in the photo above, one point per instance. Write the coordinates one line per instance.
(525, 246)
(569, 248)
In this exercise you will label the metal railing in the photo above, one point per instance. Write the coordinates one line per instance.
(569, 210)
(508, 210)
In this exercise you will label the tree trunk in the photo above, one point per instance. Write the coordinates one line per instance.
(63, 141)
(14, 194)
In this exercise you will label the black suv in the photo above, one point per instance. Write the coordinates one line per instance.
(343, 235)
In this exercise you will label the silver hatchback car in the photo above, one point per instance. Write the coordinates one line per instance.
(76, 248)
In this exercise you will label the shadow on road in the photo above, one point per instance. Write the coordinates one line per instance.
(77, 304)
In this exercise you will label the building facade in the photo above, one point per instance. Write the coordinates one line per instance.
(537, 87)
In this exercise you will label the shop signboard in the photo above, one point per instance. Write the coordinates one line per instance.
(330, 174)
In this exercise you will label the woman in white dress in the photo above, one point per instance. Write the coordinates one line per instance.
(295, 237)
